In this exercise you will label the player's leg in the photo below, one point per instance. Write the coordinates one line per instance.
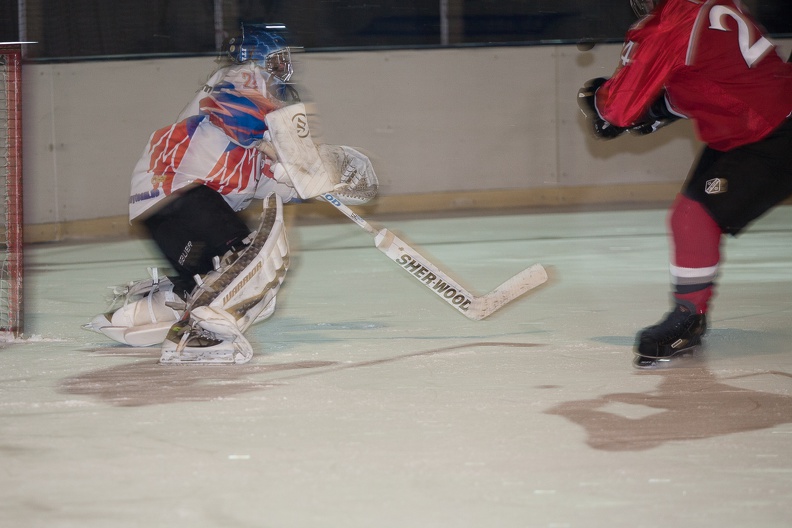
(726, 192)
(189, 230)
(193, 229)
(694, 265)
(240, 291)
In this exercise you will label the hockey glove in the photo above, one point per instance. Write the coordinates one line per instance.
(586, 101)
(349, 170)
(352, 170)
(658, 116)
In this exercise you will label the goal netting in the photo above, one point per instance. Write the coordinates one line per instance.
(11, 265)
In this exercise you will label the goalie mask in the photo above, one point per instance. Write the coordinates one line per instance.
(261, 44)
(642, 7)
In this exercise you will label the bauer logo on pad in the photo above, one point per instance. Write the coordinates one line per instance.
(716, 186)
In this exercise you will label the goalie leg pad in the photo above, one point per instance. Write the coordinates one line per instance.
(247, 282)
(141, 313)
(227, 301)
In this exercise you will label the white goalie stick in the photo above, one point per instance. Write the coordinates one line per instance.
(410, 260)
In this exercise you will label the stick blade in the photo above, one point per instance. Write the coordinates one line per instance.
(511, 289)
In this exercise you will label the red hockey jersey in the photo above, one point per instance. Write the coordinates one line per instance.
(716, 67)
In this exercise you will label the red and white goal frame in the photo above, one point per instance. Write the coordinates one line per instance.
(11, 254)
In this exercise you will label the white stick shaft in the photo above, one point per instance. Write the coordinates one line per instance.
(352, 215)
(424, 271)
(454, 294)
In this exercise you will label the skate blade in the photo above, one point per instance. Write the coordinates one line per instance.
(682, 358)
(644, 363)
(225, 354)
(201, 357)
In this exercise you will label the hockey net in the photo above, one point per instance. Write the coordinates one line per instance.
(11, 264)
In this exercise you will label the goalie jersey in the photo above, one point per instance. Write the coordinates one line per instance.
(715, 66)
(213, 143)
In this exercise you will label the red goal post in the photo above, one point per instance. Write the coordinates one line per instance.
(11, 254)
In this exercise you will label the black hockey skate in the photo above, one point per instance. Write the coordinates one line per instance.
(679, 334)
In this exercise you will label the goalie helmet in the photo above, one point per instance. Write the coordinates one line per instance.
(642, 7)
(263, 45)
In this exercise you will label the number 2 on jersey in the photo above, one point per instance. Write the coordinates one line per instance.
(750, 52)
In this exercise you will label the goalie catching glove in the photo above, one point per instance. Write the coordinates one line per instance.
(313, 170)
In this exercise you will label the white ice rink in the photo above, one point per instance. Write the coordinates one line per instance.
(372, 404)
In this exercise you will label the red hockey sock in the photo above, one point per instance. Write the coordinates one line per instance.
(699, 299)
(696, 252)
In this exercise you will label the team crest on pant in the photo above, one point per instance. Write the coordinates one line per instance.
(716, 186)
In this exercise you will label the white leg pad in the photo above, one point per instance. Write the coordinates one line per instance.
(148, 311)
(241, 292)
(246, 287)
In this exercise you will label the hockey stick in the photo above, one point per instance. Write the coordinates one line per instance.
(442, 285)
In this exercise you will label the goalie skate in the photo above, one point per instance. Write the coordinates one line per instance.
(228, 300)
(205, 337)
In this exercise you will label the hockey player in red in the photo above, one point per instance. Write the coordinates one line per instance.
(710, 62)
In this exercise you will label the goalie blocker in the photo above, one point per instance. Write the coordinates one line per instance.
(311, 169)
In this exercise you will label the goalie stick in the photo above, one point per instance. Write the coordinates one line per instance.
(410, 260)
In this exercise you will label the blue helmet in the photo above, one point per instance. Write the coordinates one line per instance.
(263, 45)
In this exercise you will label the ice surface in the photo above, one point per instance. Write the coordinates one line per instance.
(370, 403)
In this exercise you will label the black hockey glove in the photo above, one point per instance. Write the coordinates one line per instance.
(601, 128)
(658, 116)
